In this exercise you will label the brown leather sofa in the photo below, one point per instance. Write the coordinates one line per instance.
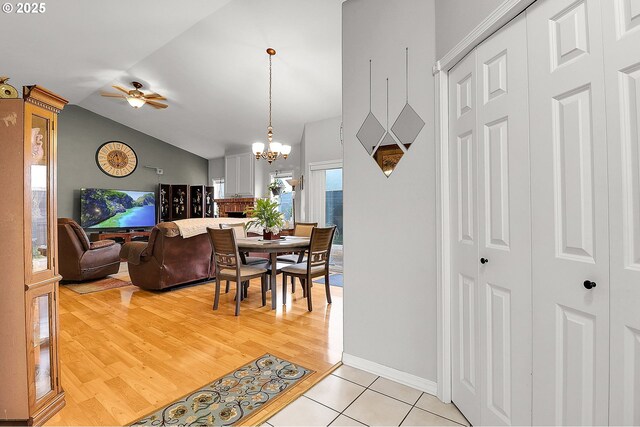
(80, 259)
(168, 259)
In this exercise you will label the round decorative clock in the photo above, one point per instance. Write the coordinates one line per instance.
(116, 159)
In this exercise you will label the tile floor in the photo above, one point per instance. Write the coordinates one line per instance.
(351, 397)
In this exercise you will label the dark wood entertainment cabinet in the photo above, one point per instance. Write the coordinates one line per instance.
(125, 236)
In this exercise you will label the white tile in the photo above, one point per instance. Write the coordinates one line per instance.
(345, 421)
(396, 390)
(375, 409)
(418, 417)
(335, 392)
(356, 375)
(303, 412)
(433, 404)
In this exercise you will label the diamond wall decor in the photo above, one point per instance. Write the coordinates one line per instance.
(371, 130)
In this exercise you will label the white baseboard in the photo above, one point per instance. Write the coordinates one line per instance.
(410, 380)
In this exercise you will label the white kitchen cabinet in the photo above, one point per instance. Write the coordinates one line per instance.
(239, 175)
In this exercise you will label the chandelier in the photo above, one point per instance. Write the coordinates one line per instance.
(275, 150)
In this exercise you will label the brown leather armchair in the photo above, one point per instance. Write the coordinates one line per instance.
(80, 259)
(168, 259)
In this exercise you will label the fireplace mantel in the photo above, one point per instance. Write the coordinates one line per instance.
(239, 204)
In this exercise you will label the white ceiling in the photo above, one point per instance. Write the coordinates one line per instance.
(206, 56)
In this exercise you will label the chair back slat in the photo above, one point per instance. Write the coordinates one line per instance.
(225, 249)
(320, 246)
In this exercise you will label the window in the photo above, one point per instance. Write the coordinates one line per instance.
(218, 193)
(285, 196)
(218, 188)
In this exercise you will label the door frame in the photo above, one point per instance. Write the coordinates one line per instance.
(502, 15)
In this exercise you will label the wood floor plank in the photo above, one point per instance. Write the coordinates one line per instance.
(125, 352)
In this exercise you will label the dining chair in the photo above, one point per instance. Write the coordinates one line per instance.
(302, 229)
(317, 264)
(230, 268)
(241, 233)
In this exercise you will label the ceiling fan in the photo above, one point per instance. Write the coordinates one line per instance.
(136, 98)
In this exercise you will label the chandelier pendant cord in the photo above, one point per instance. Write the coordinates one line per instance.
(270, 127)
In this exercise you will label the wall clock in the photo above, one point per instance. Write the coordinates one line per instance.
(116, 159)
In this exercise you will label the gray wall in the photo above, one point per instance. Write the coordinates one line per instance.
(389, 223)
(216, 169)
(456, 18)
(81, 132)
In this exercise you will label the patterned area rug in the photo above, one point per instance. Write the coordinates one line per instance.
(229, 399)
(97, 285)
(334, 280)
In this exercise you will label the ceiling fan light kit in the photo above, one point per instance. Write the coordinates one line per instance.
(275, 150)
(136, 98)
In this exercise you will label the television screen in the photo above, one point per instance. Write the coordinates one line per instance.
(117, 208)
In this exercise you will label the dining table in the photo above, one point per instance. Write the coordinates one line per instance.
(273, 248)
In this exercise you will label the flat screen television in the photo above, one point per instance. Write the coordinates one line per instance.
(100, 208)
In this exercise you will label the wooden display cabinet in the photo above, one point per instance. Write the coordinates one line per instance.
(29, 372)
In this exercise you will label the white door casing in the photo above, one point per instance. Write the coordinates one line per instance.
(569, 213)
(465, 364)
(504, 226)
(621, 35)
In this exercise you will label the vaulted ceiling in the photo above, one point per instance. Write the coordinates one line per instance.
(206, 56)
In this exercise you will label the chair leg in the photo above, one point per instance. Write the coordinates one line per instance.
(216, 297)
(238, 296)
(308, 284)
(263, 285)
(293, 284)
(284, 289)
(245, 290)
(226, 289)
(327, 288)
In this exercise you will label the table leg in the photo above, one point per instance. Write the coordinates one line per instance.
(274, 273)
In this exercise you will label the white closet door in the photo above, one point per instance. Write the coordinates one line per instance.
(569, 213)
(621, 27)
(504, 226)
(464, 239)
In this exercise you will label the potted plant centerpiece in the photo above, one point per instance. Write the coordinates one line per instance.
(265, 214)
(276, 187)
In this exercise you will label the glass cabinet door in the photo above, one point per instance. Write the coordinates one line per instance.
(38, 159)
(42, 345)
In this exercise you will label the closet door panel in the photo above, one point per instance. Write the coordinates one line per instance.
(504, 226)
(569, 201)
(464, 239)
(621, 34)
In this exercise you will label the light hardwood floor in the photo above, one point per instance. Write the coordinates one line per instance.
(126, 352)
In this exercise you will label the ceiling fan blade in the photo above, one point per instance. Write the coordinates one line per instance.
(112, 95)
(155, 104)
(153, 96)
(121, 89)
